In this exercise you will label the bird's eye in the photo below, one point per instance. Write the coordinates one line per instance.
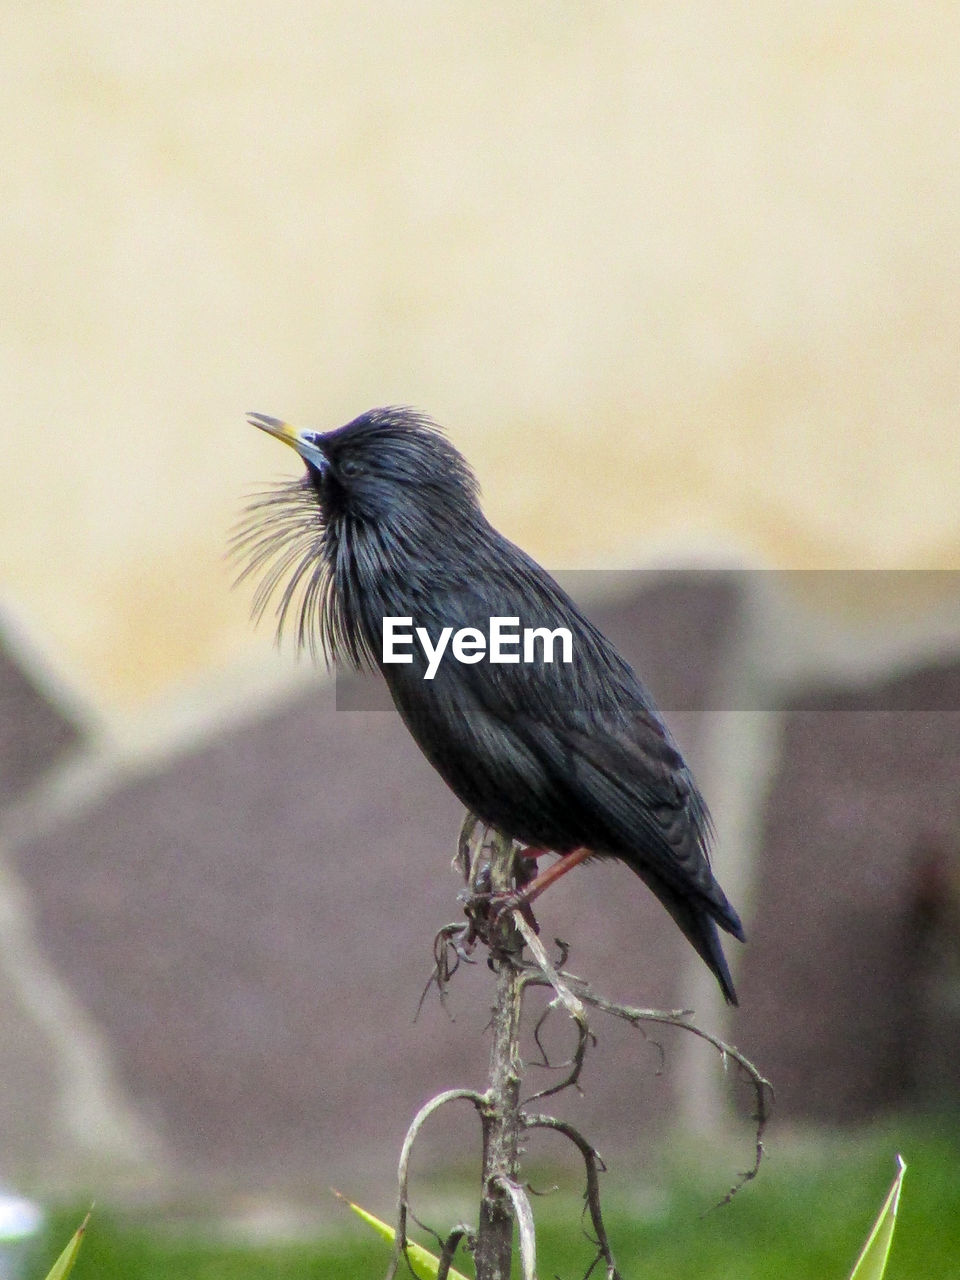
(350, 467)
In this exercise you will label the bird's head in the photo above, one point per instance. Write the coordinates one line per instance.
(386, 466)
(385, 500)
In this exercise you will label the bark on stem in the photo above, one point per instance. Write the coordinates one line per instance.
(501, 1105)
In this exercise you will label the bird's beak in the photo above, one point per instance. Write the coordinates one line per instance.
(304, 442)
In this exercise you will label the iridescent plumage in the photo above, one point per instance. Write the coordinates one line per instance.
(562, 756)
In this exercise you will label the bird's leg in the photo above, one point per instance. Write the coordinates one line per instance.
(525, 868)
(481, 905)
(532, 888)
(524, 874)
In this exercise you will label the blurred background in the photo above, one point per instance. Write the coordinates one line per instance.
(682, 282)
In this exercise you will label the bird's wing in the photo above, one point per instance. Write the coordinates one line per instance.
(637, 792)
(612, 767)
(582, 740)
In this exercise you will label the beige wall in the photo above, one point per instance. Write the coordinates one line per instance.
(680, 279)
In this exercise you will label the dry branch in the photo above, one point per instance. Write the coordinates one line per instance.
(487, 863)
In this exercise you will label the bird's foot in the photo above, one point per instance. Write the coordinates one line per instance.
(487, 910)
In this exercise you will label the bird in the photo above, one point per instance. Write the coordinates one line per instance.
(569, 757)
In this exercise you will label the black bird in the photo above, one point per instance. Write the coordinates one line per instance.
(569, 757)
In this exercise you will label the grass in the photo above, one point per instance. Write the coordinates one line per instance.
(804, 1219)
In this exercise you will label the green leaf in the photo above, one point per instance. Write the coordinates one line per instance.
(873, 1257)
(423, 1263)
(64, 1264)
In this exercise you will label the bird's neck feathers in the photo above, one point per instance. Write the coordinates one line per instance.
(403, 555)
(333, 572)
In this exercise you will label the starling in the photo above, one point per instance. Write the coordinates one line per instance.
(381, 556)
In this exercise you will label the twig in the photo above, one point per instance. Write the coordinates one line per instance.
(450, 1246)
(487, 863)
(501, 1110)
(549, 976)
(525, 1231)
(566, 997)
(762, 1088)
(594, 1166)
(403, 1169)
(585, 1037)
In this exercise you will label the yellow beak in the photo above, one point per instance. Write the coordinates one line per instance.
(304, 442)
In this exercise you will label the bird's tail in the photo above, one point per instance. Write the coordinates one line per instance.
(698, 919)
(702, 932)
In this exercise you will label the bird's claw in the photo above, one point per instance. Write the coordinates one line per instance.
(502, 903)
(487, 910)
